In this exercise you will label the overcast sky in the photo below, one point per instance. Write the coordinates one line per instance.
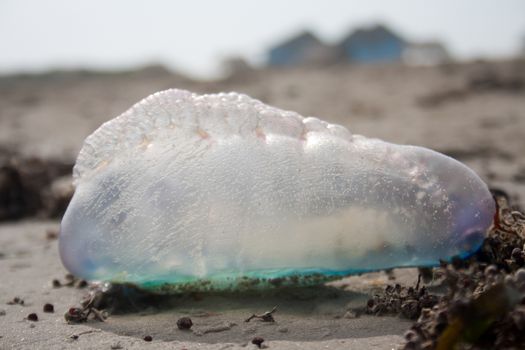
(193, 36)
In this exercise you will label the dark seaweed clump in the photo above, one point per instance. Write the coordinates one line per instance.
(483, 306)
(31, 186)
(403, 301)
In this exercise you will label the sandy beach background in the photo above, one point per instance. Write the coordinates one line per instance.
(474, 112)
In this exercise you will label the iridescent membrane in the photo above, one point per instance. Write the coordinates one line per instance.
(220, 191)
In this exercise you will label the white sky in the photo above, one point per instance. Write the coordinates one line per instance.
(193, 36)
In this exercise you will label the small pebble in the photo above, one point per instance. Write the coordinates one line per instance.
(32, 317)
(49, 308)
(258, 341)
(51, 234)
(15, 301)
(81, 284)
(148, 338)
(184, 323)
(56, 283)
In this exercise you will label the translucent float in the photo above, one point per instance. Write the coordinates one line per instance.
(219, 191)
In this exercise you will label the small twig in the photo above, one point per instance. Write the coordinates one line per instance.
(266, 317)
(76, 336)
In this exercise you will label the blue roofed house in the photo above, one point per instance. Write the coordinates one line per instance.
(374, 44)
(304, 48)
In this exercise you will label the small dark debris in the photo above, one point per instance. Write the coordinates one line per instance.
(148, 338)
(16, 301)
(399, 300)
(74, 337)
(51, 235)
(49, 308)
(79, 315)
(81, 284)
(32, 317)
(70, 281)
(184, 323)
(258, 341)
(75, 315)
(56, 283)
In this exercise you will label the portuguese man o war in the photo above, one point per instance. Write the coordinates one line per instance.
(221, 190)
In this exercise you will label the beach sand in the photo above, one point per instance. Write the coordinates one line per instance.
(317, 317)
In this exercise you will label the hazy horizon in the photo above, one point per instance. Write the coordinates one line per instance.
(195, 37)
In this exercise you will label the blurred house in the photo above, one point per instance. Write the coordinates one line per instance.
(302, 49)
(425, 54)
(374, 44)
(363, 45)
